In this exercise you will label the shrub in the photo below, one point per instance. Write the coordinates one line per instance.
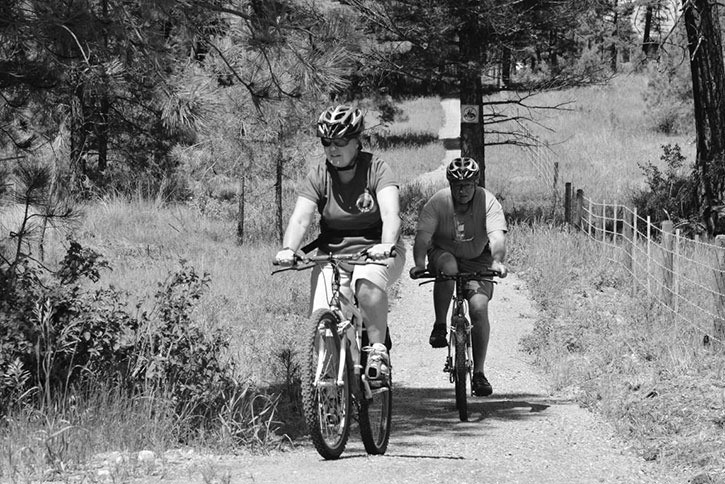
(412, 198)
(669, 195)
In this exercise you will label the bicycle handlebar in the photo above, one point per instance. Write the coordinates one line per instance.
(452, 277)
(312, 260)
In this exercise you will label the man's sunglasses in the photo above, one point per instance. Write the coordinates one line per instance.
(339, 142)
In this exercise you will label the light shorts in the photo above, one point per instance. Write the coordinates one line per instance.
(379, 275)
(480, 263)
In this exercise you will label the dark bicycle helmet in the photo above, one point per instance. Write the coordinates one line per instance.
(340, 122)
(461, 169)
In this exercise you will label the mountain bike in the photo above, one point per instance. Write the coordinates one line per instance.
(459, 361)
(333, 378)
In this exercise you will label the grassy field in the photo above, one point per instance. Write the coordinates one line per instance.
(607, 349)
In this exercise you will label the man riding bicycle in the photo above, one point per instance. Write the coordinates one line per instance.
(462, 228)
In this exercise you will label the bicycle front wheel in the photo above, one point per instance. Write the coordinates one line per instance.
(460, 375)
(375, 419)
(325, 399)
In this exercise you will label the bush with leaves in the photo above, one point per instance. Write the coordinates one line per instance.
(55, 332)
(59, 337)
(670, 194)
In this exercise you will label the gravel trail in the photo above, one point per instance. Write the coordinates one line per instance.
(521, 434)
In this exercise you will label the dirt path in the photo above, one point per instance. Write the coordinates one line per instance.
(521, 434)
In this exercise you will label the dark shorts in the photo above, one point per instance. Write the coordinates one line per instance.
(481, 263)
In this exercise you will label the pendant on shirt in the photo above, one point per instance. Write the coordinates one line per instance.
(365, 202)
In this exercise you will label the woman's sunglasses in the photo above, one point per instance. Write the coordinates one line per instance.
(339, 142)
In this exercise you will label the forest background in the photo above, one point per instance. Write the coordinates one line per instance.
(150, 152)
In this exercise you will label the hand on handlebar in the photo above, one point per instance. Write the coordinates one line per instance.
(416, 271)
(285, 257)
(500, 268)
(380, 251)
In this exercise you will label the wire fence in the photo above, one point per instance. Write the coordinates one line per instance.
(684, 276)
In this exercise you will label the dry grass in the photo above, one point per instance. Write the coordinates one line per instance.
(616, 353)
(598, 140)
(613, 348)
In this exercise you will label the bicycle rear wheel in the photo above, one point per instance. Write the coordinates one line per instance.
(460, 376)
(326, 403)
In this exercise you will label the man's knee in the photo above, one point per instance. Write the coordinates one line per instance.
(447, 264)
(478, 308)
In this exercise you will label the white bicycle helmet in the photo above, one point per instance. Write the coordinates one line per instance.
(462, 169)
(340, 122)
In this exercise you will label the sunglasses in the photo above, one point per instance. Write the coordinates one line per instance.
(339, 142)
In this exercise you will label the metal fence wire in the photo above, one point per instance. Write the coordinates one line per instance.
(684, 276)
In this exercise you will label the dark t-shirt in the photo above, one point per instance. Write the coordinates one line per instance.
(350, 215)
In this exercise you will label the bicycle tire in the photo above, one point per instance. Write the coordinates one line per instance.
(327, 407)
(461, 377)
(375, 415)
(375, 419)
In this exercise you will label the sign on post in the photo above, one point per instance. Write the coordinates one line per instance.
(469, 113)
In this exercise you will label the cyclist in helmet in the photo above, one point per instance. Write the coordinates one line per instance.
(357, 198)
(462, 229)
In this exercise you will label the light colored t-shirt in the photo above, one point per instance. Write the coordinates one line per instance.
(350, 215)
(465, 236)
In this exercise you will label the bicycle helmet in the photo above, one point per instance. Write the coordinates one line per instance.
(461, 169)
(340, 122)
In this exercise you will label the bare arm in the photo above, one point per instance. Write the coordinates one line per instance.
(389, 202)
(420, 248)
(299, 222)
(296, 228)
(497, 242)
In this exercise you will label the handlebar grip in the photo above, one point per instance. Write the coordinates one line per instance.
(421, 275)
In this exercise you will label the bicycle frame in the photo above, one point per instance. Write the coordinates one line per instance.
(349, 329)
(329, 392)
(460, 330)
(459, 361)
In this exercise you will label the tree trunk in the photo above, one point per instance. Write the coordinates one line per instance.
(708, 88)
(615, 36)
(470, 42)
(647, 35)
(102, 127)
(506, 66)
(102, 133)
(278, 191)
(240, 212)
(78, 138)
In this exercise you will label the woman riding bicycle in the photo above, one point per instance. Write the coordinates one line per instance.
(462, 229)
(357, 198)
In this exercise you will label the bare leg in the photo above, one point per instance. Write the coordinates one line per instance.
(443, 291)
(373, 303)
(478, 307)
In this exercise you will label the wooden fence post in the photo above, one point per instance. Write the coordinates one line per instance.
(615, 218)
(579, 208)
(589, 219)
(649, 255)
(668, 261)
(604, 221)
(567, 203)
(555, 189)
(719, 323)
(628, 241)
(677, 267)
